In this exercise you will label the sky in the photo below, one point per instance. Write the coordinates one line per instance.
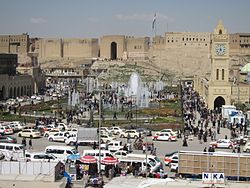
(95, 18)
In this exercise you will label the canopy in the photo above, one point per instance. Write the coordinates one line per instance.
(73, 157)
(109, 161)
(88, 159)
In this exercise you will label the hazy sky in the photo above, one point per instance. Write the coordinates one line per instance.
(94, 18)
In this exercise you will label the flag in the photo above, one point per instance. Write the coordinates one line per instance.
(154, 22)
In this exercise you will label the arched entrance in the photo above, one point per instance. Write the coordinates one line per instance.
(113, 50)
(2, 93)
(218, 102)
(11, 93)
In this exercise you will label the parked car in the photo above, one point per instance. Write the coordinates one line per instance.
(223, 143)
(165, 136)
(30, 133)
(106, 138)
(41, 157)
(246, 148)
(59, 137)
(144, 131)
(51, 132)
(116, 130)
(16, 125)
(132, 133)
(8, 139)
(120, 154)
(6, 130)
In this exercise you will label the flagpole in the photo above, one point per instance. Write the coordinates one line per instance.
(155, 27)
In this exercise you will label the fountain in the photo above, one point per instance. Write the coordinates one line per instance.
(73, 98)
(137, 91)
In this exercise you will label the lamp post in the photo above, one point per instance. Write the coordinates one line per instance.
(99, 135)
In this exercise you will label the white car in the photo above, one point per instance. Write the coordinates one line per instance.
(106, 129)
(132, 133)
(6, 130)
(41, 157)
(223, 143)
(30, 133)
(120, 154)
(58, 137)
(169, 131)
(106, 138)
(166, 136)
(51, 132)
(16, 125)
(116, 130)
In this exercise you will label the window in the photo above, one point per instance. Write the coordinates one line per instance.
(2, 147)
(9, 148)
(222, 74)
(217, 74)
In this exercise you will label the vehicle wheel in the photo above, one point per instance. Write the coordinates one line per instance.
(122, 136)
(169, 139)
(230, 147)
(46, 135)
(19, 135)
(107, 141)
(31, 136)
(154, 139)
(101, 140)
(72, 143)
(248, 150)
(51, 139)
(135, 137)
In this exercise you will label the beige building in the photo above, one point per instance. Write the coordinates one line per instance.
(240, 44)
(11, 84)
(14, 44)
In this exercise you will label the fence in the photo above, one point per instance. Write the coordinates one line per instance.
(27, 168)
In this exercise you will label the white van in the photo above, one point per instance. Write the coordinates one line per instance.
(40, 157)
(12, 151)
(140, 163)
(95, 153)
(61, 152)
(152, 158)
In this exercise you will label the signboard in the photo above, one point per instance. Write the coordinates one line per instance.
(213, 178)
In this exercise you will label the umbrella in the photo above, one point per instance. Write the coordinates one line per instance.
(73, 157)
(88, 159)
(109, 160)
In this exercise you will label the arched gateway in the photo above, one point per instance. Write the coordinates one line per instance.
(218, 102)
(113, 47)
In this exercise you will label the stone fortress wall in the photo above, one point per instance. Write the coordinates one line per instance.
(183, 53)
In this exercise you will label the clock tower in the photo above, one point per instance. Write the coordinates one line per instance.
(219, 90)
(220, 55)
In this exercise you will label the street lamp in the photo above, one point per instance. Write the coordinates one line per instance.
(99, 133)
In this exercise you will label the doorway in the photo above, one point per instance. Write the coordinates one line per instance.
(113, 51)
(218, 102)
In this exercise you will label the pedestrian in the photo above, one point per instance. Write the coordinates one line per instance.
(94, 146)
(24, 142)
(205, 150)
(144, 148)
(185, 142)
(30, 144)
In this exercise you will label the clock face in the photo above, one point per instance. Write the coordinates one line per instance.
(220, 49)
